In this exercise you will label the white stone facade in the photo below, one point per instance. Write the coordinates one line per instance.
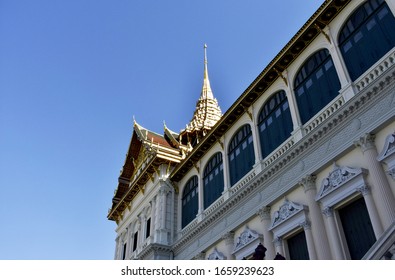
(343, 154)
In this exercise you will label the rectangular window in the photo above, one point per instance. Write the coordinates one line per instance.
(244, 145)
(285, 106)
(269, 121)
(382, 13)
(300, 91)
(347, 46)
(319, 73)
(309, 83)
(371, 24)
(278, 113)
(148, 228)
(328, 65)
(135, 237)
(358, 36)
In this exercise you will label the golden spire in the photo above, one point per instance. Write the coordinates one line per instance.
(207, 111)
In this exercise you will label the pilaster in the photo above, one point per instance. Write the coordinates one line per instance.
(381, 191)
(334, 238)
(264, 214)
(306, 225)
(229, 238)
(372, 210)
(317, 222)
(278, 244)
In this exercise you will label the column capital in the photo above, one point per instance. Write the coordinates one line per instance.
(366, 142)
(229, 237)
(264, 213)
(308, 182)
(200, 256)
(391, 172)
(278, 241)
(364, 190)
(328, 212)
(306, 225)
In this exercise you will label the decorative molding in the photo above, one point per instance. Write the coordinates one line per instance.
(308, 182)
(387, 155)
(247, 241)
(290, 216)
(216, 255)
(366, 142)
(328, 212)
(246, 237)
(286, 211)
(200, 256)
(306, 225)
(342, 182)
(364, 190)
(229, 237)
(278, 241)
(264, 213)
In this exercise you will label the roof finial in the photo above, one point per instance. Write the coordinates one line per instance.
(205, 62)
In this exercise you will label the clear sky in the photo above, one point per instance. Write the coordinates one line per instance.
(73, 73)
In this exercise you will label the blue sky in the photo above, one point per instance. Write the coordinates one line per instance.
(73, 73)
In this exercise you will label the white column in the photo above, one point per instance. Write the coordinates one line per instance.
(116, 254)
(129, 231)
(200, 199)
(293, 108)
(278, 244)
(226, 174)
(317, 222)
(372, 210)
(381, 190)
(309, 240)
(334, 238)
(347, 89)
(153, 218)
(229, 239)
(157, 218)
(162, 231)
(264, 213)
(255, 142)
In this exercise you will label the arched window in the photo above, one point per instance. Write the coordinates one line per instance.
(213, 180)
(274, 123)
(316, 84)
(190, 201)
(241, 154)
(367, 35)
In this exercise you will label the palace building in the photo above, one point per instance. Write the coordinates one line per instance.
(302, 163)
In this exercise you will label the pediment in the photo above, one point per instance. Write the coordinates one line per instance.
(340, 176)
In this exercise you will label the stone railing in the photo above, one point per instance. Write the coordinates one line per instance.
(189, 227)
(214, 206)
(279, 151)
(325, 113)
(376, 71)
(246, 179)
